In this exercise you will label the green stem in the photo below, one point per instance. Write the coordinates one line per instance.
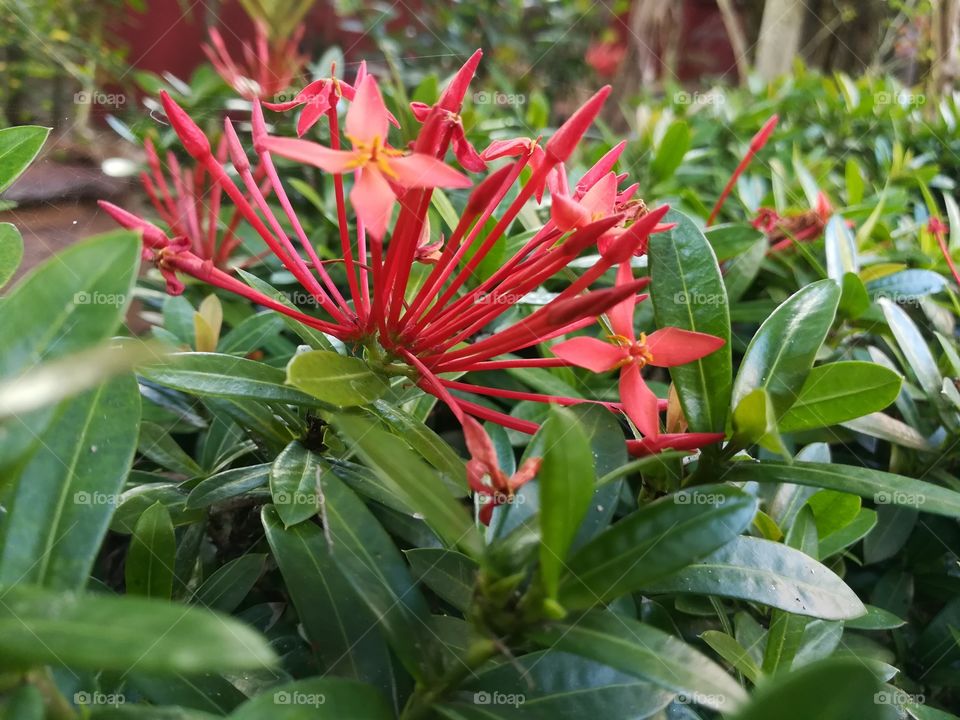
(423, 698)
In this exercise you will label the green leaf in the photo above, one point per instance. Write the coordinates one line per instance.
(59, 510)
(913, 347)
(782, 352)
(157, 444)
(230, 584)
(846, 536)
(836, 689)
(149, 566)
(673, 146)
(450, 574)
(688, 292)
(18, 147)
(730, 240)
(552, 685)
(654, 541)
(341, 629)
(226, 376)
(876, 619)
(412, 480)
(11, 251)
(82, 294)
(768, 573)
(227, 484)
(335, 379)
(101, 632)
(754, 422)
(295, 483)
(734, 653)
(841, 249)
(907, 285)
(567, 482)
(881, 487)
(647, 653)
(839, 392)
(316, 699)
(372, 564)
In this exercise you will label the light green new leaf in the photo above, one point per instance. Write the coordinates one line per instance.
(839, 392)
(11, 251)
(18, 147)
(335, 379)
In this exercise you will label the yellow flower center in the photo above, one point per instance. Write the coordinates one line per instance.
(637, 351)
(373, 152)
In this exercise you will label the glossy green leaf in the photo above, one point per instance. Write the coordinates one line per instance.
(841, 249)
(846, 536)
(82, 295)
(411, 479)
(342, 630)
(59, 510)
(101, 632)
(654, 541)
(848, 684)
(914, 347)
(295, 483)
(647, 653)
(225, 589)
(673, 146)
(907, 285)
(768, 573)
(227, 484)
(18, 147)
(157, 444)
(567, 482)
(335, 379)
(881, 487)
(551, 685)
(316, 699)
(373, 565)
(838, 392)
(730, 240)
(11, 251)
(450, 574)
(782, 352)
(734, 653)
(687, 291)
(148, 569)
(226, 376)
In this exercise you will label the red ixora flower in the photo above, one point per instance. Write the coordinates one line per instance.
(436, 328)
(267, 68)
(629, 353)
(484, 474)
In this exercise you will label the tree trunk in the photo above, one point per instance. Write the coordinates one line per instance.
(780, 33)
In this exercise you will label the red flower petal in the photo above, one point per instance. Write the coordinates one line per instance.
(673, 346)
(589, 353)
(333, 161)
(639, 402)
(372, 200)
(367, 117)
(567, 213)
(422, 171)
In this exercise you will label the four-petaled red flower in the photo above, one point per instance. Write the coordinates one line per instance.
(630, 353)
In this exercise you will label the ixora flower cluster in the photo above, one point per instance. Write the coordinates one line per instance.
(431, 331)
